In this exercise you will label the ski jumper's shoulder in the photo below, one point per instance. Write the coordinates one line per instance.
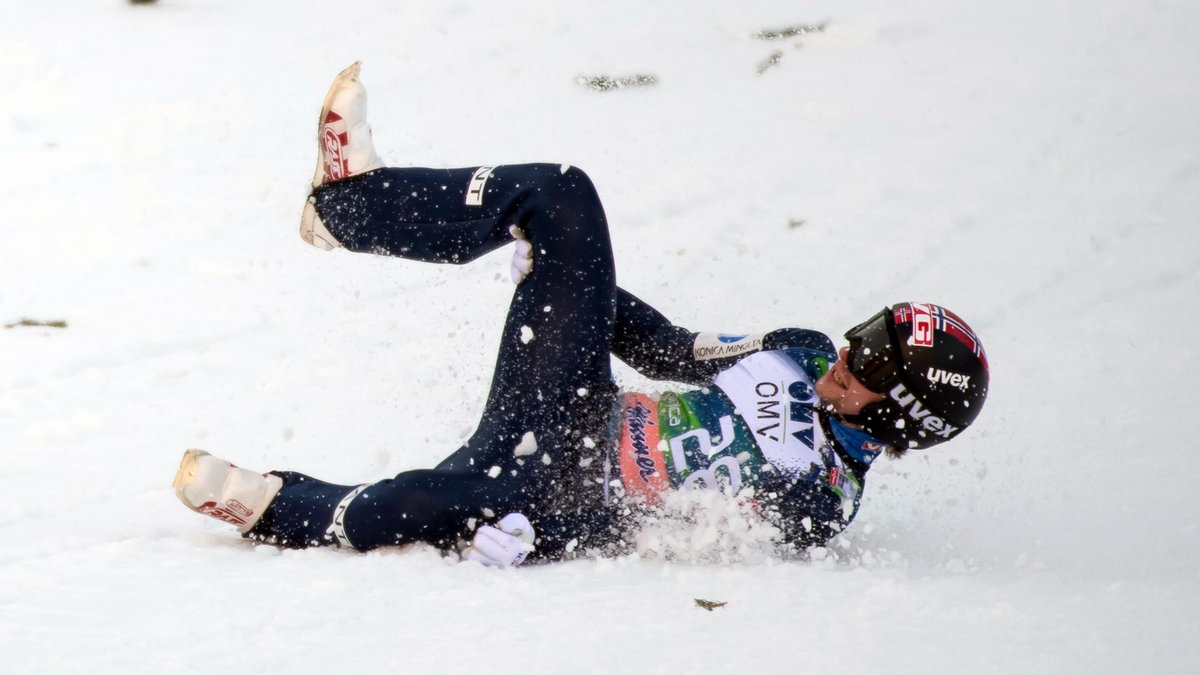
(798, 338)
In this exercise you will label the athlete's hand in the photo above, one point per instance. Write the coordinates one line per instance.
(522, 262)
(504, 545)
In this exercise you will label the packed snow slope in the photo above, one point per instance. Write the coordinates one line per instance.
(1032, 164)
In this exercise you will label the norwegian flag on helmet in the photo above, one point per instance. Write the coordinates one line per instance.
(927, 317)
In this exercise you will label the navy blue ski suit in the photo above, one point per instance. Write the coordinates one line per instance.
(557, 385)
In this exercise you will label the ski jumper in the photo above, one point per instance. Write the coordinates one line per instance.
(555, 441)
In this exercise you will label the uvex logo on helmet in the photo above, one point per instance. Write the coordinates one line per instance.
(919, 413)
(939, 376)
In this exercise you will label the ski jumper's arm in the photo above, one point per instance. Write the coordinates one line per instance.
(648, 342)
(807, 514)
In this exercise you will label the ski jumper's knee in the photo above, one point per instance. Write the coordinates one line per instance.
(561, 215)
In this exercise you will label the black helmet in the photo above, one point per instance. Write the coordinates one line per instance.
(929, 364)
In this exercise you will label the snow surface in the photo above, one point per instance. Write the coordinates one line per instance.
(1032, 164)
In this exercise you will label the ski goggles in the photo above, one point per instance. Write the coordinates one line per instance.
(872, 356)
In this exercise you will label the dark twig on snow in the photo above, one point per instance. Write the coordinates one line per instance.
(772, 60)
(606, 83)
(34, 322)
(710, 605)
(791, 31)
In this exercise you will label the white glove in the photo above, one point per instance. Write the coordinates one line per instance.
(522, 262)
(504, 545)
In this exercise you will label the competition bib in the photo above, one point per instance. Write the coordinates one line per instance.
(699, 440)
(773, 395)
(683, 441)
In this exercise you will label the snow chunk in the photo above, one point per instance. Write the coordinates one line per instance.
(526, 334)
(527, 446)
(493, 472)
(706, 526)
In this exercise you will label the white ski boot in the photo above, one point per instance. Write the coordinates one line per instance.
(214, 487)
(344, 147)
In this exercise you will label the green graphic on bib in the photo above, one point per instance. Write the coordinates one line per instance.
(704, 444)
(817, 367)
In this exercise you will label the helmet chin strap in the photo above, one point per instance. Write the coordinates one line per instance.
(857, 420)
(869, 413)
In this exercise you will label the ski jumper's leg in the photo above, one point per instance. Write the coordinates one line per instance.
(552, 390)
